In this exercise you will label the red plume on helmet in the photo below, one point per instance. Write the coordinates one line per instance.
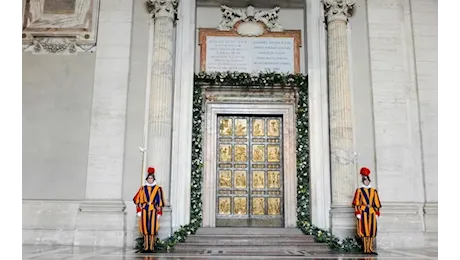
(151, 170)
(365, 171)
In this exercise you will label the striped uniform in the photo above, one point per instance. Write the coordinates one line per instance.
(367, 204)
(150, 200)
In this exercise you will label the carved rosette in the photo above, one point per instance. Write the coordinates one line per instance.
(163, 8)
(338, 10)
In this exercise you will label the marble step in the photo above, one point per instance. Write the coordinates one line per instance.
(250, 248)
(249, 231)
(252, 242)
(270, 238)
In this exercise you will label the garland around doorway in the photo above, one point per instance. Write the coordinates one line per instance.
(261, 80)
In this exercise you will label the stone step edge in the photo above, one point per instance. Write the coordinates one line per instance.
(251, 243)
(253, 240)
(247, 250)
(250, 235)
(250, 230)
(189, 244)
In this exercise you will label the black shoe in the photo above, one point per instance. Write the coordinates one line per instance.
(374, 253)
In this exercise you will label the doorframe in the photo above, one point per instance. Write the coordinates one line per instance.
(278, 101)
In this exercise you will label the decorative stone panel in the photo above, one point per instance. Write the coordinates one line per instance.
(59, 26)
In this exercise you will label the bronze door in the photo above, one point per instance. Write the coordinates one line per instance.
(249, 171)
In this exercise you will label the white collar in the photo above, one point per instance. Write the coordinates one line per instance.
(150, 185)
(367, 187)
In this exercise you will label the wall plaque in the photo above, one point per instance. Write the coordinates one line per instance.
(250, 42)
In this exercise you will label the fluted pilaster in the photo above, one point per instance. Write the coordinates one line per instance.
(161, 91)
(343, 169)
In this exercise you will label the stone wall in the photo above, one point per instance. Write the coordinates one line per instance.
(404, 86)
(75, 117)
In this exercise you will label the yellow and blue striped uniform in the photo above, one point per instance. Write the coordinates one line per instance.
(367, 204)
(151, 200)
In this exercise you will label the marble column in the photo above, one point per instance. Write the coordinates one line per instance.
(161, 98)
(343, 168)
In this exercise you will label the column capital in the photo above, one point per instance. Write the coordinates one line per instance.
(338, 10)
(163, 8)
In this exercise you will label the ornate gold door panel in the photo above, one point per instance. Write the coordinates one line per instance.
(249, 171)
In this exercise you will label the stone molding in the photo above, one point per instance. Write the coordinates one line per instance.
(430, 208)
(275, 94)
(102, 206)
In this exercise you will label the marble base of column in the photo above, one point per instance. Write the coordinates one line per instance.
(165, 223)
(343, 223)
(101, 223)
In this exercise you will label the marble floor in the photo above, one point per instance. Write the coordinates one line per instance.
(43, 252)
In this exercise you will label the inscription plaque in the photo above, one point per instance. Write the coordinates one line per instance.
(223, 51)
(250, 54)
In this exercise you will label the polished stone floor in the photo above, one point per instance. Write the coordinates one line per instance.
(43, 252)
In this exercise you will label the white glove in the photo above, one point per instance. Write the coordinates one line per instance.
(139, 213)
(358, 216)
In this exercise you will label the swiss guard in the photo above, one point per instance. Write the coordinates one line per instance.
(367, 209)
(149, 202)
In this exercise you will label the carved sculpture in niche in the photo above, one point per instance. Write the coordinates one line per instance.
(249, 21)
(59, 26)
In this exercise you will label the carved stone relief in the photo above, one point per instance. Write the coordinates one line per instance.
(59, 26)
(250, 22)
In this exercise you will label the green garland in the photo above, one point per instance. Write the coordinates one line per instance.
(261, 80)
